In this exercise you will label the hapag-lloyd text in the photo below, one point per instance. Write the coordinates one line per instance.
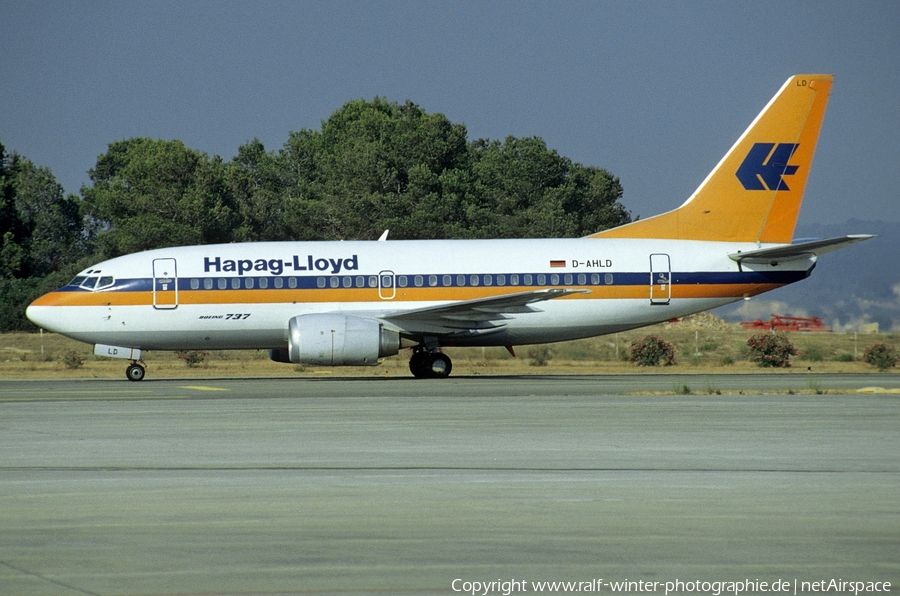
(277, 266)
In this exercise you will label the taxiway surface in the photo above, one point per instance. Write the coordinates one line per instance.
(402, 486)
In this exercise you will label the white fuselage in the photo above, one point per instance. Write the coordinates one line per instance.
(243, 295)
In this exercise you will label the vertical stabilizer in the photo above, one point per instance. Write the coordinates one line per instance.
(754, 193)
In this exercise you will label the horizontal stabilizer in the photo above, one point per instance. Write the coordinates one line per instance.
(802, 250)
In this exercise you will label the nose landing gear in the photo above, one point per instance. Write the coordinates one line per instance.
(430, 365)
(135, 372)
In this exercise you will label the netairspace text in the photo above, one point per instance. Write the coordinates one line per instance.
(715, 588)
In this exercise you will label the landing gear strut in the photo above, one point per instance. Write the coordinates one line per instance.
(430, 365)
(134, 372)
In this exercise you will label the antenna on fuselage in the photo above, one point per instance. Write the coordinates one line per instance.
(384, 236)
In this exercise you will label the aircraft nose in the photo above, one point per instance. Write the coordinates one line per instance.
(42, 316)
(34, 315)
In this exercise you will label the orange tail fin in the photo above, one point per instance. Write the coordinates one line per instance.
(754, 193)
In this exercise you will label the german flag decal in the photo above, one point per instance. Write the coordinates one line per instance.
(557, 263)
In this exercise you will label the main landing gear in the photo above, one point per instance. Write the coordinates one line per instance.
(135, 372)
(425, 364)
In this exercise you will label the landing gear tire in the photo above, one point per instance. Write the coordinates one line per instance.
(417, 365)
(135, 372)
(438, 365)
(430, 365)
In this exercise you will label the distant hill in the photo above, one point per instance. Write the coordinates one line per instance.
(849, 287)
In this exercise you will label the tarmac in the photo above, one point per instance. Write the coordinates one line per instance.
(387, 486)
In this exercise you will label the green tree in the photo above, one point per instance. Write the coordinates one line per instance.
(258, 184)
(151, 193)
(310, 210)
(41, 229)
(380, 165)
(15, 296)
(11, 233)
(374, 165)
(42, 237)
(53, 227)
(527, 189)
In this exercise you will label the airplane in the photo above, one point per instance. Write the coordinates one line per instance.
(350, 303)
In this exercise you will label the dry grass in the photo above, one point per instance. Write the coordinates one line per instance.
(703, 345)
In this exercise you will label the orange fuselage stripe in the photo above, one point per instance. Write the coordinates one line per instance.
(370, 295)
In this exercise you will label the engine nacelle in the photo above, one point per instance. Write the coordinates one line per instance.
(280, 355)
(339, 340)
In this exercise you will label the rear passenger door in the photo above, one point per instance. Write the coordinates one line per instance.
(660, 279)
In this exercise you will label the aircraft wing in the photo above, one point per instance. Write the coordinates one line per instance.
(801, 250)
(474, 317)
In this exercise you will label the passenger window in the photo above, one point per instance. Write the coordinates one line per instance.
(595, 278)
(582, 279)
(448, 280)
(263, 283)
(567, 279)
(195, 284)
(373, 281)
(542, 279)
(347, 282)
(432, 280)
(360, 281)
(334, 282)
(279, 283)
(320, 282)
(608, 279)
(501, 280)
(488, 280)
(235, 283)
(207, 284)
(419, 281)
(514, 279)
(402, 281)
(248, 283)
(527, 278)
(222, 283)
(460, 280)
(473, 280)
(554, 280)
(292, 282)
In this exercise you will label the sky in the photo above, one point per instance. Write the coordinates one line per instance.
(654, 91)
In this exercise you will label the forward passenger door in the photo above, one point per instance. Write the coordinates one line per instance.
(165, 284)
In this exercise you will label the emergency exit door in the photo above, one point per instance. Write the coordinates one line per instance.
(387, 285)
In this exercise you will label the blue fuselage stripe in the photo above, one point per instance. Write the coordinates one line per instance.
(450, 280)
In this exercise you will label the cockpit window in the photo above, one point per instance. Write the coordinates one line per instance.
(93, 282)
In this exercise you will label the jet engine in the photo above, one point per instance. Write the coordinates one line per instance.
(337, 340)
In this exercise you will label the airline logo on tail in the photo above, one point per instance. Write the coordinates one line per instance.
(765, 165)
